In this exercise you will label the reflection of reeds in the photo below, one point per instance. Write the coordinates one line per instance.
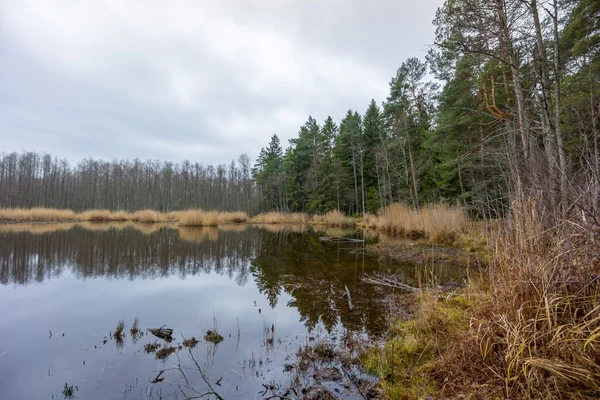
(211, 218)
(37, 228)
(200, 234)
(280, 228)
(233, 228)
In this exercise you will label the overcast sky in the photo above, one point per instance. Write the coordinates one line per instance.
(198, 80)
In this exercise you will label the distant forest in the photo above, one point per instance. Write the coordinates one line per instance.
(513, 109)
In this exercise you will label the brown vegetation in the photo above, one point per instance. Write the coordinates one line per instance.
(334, 218)
(438, 222)
(529, 329)
(211, 218)
(275, 217)
(36, 215)
(148, 216)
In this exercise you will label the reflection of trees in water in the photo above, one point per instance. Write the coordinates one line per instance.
(314, 273)
(27, 258)
(311, 271)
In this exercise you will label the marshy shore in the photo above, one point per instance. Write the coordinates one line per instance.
(527, 325)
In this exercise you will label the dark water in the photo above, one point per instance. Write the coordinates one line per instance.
(78, 283)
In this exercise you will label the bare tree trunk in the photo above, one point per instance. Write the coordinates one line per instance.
(546, 104)
(562, 157)
(414, 178)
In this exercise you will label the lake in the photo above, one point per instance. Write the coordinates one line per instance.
(267, 290)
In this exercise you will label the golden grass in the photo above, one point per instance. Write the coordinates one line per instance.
(147, 216)
(37, 215)
(211, 218)
(334, 218)
(56, 215)
(171, 216)
(438, 223)
(275, 217)
(95, 216)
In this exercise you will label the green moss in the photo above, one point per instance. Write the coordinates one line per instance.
(404, 363)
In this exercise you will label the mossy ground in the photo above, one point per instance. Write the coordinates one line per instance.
(405, 364)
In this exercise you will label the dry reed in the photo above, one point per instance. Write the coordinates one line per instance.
(438, 223)
(37, 215)
(147, 216)
(275, 217)
(334, 218)
(529, 329)
(211, 218)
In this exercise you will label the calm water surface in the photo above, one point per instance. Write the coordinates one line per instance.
(78, 283)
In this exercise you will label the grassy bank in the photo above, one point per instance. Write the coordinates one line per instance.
(436, 223)
(56, 215)
(529, 328)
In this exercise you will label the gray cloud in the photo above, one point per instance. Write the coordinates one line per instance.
(204, 81)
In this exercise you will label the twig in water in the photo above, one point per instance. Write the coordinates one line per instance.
(158, 378)
(349, 298)
(49, 368)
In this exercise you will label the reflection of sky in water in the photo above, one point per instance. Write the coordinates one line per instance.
(66, 282)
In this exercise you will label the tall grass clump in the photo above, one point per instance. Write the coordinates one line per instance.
(334, 218)
(439, 223)
(96, 216)
(275, 217)
(527, 328)
(36, 215)
(211, 218)
(535, 325)
(147, 216)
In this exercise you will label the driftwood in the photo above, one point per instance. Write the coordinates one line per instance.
(349, 298)
(382, 281)
(162, 333)
(338, 239)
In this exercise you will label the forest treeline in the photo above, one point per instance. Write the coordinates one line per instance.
(513, 108)
(30, 180)
(509, 106)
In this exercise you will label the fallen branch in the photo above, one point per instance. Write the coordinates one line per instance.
(158, 378)
(349, 298)
(389, 283)
(339, 239)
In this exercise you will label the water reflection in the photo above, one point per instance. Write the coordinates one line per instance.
(294, 260)
(282, 258)
(82, 279)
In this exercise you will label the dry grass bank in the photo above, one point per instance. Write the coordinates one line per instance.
(37, 215)
(211, 218)
(438, 223)
(56, 215)
(530, 328)
(275, 217)
(336, 219)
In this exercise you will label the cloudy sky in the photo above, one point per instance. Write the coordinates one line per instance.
(198, 80)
